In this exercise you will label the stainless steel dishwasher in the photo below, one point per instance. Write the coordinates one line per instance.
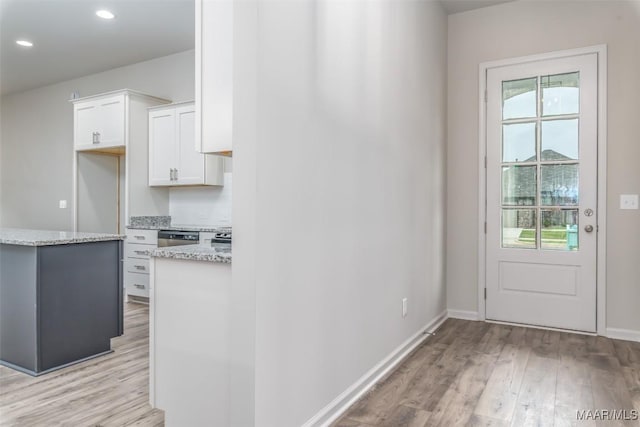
(177, 238)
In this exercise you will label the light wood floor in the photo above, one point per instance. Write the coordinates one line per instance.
(111, 390)
(469, 373)
(480, 374)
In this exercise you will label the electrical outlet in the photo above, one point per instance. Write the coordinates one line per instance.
(62, 204)
(628, 201)
(404, 307)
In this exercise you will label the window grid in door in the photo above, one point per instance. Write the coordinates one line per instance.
(540, 162)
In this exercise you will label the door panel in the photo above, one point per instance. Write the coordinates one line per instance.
(541, 189)
(86, 123)
(191, 164)
(112, 122)
(162, 150)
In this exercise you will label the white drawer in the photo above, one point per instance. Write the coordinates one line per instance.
(137, 284)
(206, 236)
(135, 250)
(148, 237)
(137, 265)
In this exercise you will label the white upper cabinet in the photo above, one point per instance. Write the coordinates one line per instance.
(214, 59)
(105, 121)
(108, 190)
(173, 159)
(100, 123)
(162, 125)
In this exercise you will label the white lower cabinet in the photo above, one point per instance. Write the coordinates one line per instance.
(136, 263)
(137, 284)
(173, 159)
(190, 341)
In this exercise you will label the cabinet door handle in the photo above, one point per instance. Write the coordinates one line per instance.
(176, 174)
(138, 286)
(171, 174)
(96, 137)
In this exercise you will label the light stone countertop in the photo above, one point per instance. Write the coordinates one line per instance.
(164, 223)
(179, 228)
(25, 237)
(193, 253)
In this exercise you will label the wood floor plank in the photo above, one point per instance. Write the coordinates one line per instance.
(481, 421)
(536, 400)
(457, 405)
(495, 339)
(610, 392)
(348, 422)
(632, 379)
(499, 397)
(380, 403)
(573, 392)
(405, 416)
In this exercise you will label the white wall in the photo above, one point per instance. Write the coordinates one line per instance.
(339, 173)
(37, 136)
(530, 27)
(202, 205)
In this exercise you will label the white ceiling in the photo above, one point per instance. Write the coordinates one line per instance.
(71, 41)
(457, 6)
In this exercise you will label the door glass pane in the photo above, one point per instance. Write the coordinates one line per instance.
(559, 228)
(519, 185)
(519, 228)
(559, 140)
(559, 185)
(560, 94)
(519, 98)
(519, 142)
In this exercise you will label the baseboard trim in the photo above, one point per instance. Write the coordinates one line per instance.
(340, 404)
(462, 314)
(623, 334)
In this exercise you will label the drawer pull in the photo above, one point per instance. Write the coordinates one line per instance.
(140, 237)
(138, 286)
(140, 252)
(139, 267)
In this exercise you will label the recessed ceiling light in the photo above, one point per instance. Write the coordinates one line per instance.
(24, 43)
(105, 14)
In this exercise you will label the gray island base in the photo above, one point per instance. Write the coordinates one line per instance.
(61, 298)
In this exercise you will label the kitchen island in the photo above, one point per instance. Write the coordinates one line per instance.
(60, 297)
(190, 322)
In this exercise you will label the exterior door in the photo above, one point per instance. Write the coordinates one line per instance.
(541, 193)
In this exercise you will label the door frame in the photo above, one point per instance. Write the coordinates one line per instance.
(601, 255)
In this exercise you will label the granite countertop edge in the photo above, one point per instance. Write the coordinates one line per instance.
(193, 253)
(178, 228)
(25, 237)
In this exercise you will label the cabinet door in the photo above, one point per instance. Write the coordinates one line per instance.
(100, 123)
(214, 75)
(190, 162)
(162, 135)
(111, 112)
(86, 124)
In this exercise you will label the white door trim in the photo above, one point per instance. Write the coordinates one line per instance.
(601, 51)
